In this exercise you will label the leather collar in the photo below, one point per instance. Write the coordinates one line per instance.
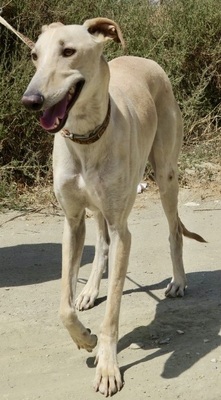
(91, 136)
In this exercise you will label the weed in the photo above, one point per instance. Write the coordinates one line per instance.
(182, 36)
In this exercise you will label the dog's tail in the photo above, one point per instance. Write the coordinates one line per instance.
(191, 235)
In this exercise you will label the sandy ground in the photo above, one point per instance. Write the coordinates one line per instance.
(168, 348)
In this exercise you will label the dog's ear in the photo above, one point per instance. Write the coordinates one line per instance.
(104, 29)
(50, 26)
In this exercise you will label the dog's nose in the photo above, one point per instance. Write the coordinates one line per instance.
(33, 101)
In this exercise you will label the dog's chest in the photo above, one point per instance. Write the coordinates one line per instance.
(87, 187)
(87, 179)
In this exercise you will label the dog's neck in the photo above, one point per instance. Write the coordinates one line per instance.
(90, 116)
(91, 136)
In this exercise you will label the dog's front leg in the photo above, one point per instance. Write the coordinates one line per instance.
(72, 247)
(108, 378)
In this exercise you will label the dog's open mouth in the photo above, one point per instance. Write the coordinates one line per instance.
(54, 118)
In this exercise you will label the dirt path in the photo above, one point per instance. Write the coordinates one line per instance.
(168, 349)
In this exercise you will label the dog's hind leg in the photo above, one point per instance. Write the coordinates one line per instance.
(163, 157)
(90, 292)
(169, 199)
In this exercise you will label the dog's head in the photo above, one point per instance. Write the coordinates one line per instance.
(67, 60)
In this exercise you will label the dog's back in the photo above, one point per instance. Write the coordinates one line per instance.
(139, 77)
(143, 92)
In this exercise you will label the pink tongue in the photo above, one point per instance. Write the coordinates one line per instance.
(50, 115)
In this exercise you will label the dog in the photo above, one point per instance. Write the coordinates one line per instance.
(108, 120)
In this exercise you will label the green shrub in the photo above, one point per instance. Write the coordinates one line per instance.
(182, 35)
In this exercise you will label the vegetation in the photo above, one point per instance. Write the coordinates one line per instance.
(183, 36)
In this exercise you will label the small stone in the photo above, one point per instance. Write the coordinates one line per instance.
(206, 340)
(164, 341)
(191, 204)
(180, 332)
(135, 346)
(154, 337)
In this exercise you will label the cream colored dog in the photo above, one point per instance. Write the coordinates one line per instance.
(108, 119)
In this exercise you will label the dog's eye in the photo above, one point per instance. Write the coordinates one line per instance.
(34, 56)
(68, 52)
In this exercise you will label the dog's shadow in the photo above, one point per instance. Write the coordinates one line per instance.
(197, 314)
(188, 327)
(28, 264)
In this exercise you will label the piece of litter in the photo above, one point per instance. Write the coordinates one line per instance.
(135, 346)
(214, 360)
(180, 332)
(141, 187)
(206, 340)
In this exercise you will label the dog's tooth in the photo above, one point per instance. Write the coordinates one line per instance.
(56, 122)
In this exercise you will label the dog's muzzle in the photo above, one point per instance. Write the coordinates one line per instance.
(54, 117)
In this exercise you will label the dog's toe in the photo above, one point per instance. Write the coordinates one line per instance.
(86, 299)
(108, 385)
(175, 289)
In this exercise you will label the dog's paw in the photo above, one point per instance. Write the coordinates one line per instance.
(87, 341)
(108, 378)
(81, 336)
(86, 298)
(175, 289)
